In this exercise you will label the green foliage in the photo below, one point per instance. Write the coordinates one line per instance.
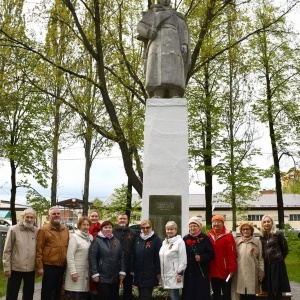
(118, 205)
(39, 203)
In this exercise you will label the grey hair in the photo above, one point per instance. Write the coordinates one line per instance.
(171, 224)
(51, 208)
(28, 211)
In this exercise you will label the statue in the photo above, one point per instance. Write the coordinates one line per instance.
(167, 50)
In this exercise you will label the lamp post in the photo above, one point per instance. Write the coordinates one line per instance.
(73, 206)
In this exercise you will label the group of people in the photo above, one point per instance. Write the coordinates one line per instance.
(94, 261)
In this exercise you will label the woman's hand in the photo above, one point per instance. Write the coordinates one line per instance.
(74, 277)
(179, 278)
(197, 257)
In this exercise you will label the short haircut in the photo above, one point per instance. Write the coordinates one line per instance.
(146, 222)
(28, 211)
(171, 224)
(82, 219)
(52, 208)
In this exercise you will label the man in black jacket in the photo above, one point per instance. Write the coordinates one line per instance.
(126, 236)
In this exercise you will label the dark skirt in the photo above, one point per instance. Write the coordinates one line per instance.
(276, 279)
(76, 295)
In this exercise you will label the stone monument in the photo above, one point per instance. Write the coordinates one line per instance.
(167, 61)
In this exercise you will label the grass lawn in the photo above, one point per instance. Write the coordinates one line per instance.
(293, 259)
(3, 281)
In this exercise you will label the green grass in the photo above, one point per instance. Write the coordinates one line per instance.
(3, 282)
(293, 259)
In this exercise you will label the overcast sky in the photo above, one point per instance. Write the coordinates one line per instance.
(107, 173)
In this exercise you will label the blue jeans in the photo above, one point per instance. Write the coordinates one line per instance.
(174, 294)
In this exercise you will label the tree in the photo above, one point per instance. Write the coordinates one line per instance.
(277, 77)
(119, 204)
(39, 203)
(20, 107)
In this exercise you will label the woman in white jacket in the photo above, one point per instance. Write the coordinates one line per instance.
(172, 256)
(77, 282)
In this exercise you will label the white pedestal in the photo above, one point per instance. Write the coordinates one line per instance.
(166, 169)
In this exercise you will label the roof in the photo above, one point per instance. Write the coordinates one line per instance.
(261, 200)
(5, 214)
(73, 203)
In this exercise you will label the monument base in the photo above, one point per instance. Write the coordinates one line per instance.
(166, 169)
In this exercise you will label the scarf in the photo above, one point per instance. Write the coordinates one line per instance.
(145, 237)
(105, 235)
(247, 240)
(196, 234)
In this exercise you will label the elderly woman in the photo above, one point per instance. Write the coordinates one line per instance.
(77, 273)
(250, 264)
(199, 254)
(275, 250)
(106, 262)
(145, 261)
(172, 256)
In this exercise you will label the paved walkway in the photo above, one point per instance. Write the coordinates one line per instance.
(295, 286)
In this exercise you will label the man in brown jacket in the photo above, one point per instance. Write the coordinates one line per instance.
(51, 252)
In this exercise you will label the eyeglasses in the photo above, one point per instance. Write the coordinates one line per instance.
(245, 229)
(147, 227)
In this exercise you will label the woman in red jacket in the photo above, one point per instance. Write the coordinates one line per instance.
(93, 230)
(223, 266)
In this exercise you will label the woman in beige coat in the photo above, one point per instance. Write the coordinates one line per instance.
(77, 282)
(250, 263)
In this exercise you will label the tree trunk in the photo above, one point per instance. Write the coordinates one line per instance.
(207, 155)
(129, 200)
(13, 192)
(55, 153)
(88, 163)
(274, 149)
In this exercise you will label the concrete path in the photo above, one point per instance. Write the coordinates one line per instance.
(295, 286)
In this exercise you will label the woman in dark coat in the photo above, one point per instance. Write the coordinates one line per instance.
(106, 262)
(275, 250)
(145, 261)
(199, 253)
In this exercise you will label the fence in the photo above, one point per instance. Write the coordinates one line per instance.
(2, 241)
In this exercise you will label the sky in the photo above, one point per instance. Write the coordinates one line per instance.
(107, 172)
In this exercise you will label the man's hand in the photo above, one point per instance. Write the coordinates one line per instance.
(96, 279)
(40, 272)
(7, 274)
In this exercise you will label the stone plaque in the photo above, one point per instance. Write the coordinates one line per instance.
(164, 208)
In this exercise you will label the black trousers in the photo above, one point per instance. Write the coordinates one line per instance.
(221, 289)
(14, 283)
(247, 297)
(145, 293)
(52, 282)
(107, 291)
(127, 288)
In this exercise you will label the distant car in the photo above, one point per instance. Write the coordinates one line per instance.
(70, 225)
(136, 228)
(4, 225)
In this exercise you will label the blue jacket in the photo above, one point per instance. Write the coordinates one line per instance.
(145, 261)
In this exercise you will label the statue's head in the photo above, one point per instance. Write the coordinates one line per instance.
(164, 2)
